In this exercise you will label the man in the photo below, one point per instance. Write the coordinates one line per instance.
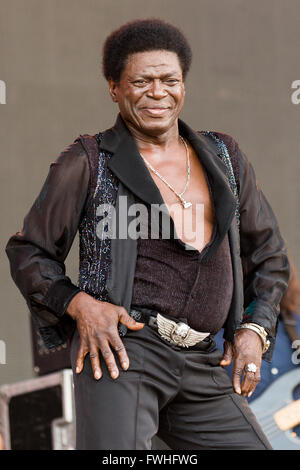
(146, 308)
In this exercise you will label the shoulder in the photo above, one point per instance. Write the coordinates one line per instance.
(80, 149)
(74, 155)
(230, 142)
(226, 145)
(73, 150)
(90, 146)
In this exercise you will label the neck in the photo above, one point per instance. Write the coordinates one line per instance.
(153, 143)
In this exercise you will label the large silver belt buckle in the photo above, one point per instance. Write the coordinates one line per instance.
(179, 334)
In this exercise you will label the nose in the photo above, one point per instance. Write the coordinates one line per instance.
(156, 90)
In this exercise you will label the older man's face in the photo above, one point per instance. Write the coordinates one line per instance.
(151, 91)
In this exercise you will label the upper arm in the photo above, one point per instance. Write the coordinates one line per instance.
(263, 249)
(53, 219)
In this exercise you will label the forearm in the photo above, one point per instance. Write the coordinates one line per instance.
(39, 278)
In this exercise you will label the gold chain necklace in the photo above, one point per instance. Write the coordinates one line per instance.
(186, 204)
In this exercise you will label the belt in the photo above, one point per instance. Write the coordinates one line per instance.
(177, 332)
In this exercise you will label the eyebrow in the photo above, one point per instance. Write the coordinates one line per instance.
(165, 75)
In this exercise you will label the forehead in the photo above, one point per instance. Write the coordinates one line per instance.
(152, 62)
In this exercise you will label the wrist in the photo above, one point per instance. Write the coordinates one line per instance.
(260, 331)
(73, 308)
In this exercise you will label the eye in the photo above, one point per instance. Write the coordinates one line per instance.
(171, 81)
(140, 82)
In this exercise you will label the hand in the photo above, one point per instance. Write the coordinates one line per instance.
(247, 348)
(97, 324)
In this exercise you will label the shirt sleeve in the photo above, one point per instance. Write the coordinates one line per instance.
(37, 253)
(263, 253)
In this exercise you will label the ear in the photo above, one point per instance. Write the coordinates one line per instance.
(112, 90)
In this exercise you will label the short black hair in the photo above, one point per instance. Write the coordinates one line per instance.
(140, 36)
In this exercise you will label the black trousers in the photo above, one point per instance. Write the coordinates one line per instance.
(181, 395)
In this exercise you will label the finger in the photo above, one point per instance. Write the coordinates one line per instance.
(82, 352)
(109, 359)
(247, 383)
(250, 382)
(95, 362)
(128, 321)
(227, 355)
(237, 376)
(120, 349)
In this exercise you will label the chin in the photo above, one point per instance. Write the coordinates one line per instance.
(157, 126)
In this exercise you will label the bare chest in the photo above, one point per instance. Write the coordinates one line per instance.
(193, 225)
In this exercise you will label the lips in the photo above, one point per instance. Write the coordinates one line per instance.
(155, 111)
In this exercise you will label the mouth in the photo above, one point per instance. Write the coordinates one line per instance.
(155, 111)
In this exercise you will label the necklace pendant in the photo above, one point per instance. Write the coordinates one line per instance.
(186, 204)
